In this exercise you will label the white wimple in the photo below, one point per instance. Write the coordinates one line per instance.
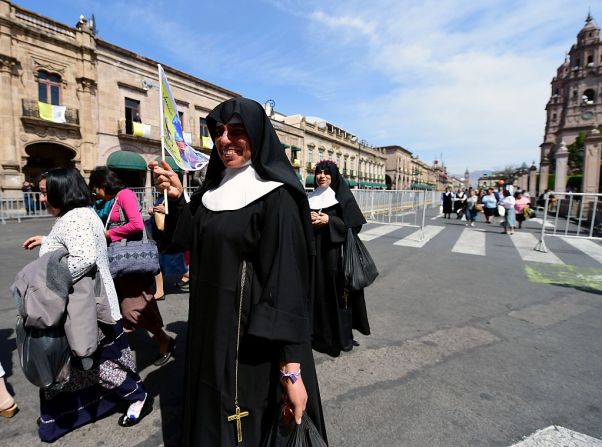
(238, 188)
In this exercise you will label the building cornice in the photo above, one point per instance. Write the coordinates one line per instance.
(103, 44)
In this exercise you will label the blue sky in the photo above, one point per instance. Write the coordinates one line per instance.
(465, 79)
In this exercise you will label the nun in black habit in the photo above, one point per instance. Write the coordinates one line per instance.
(333, 211)
(251, 244)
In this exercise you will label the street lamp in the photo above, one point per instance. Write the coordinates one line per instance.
(269, 107)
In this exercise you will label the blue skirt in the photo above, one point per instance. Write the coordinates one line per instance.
(510, 218)
(92, 394)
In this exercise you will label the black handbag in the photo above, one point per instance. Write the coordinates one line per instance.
(44, 354)
(286, 433)
(358, 266)
(126, 257)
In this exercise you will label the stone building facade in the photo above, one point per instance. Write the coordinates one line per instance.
(100, 88)
(423, 175)
(109, 99)
(575, 104)
(361, 165)
(398, 167)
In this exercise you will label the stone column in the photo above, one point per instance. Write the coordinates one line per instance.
(9, 158)
(86, 92)
(591, 171)
(562, 164)
(532, 180)
(523, 181)
(544, 169)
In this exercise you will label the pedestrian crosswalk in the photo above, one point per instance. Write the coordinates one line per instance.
(420, 238)
(590, 248)
(374, 232)
(473, 241)
(525, 242)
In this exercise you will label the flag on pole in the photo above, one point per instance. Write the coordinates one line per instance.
(172, 137)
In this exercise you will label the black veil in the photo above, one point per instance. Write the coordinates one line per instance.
(268, 157)
(352, 215)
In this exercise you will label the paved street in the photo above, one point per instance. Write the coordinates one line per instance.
(477, 341)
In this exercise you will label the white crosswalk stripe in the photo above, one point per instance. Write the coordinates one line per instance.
(418, 239)
(381, 230)
(470, 242)
(473, 241)
(556, 436)
(540, 222)
(524, 243)
(437, 216)
(590, 248)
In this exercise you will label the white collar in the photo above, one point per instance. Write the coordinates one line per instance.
(322, 198)
(238, 188)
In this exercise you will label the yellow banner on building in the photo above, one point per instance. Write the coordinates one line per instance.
(48, 112)
(141, 129)
(207, 143)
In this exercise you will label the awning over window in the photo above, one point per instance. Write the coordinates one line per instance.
(126, 160)
(309, 180)
(285, 146)
(295, 148)
(352, 183)
(171, 162)
(420, 186)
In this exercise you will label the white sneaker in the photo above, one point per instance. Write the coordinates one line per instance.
(472, 224)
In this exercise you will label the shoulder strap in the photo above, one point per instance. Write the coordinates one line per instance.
(122, 218)
(110, 213)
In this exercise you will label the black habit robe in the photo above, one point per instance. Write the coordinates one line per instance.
(267, 235)
(330, 332)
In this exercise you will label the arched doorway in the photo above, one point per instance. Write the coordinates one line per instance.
(389, 182)
(44, 156)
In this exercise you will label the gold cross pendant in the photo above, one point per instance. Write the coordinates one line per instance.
(237, 417)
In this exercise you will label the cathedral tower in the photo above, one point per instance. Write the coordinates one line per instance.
(575, 104)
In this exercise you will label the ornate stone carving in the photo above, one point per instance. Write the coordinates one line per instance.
(43, 129)
(51, 66)
(87, 85)
(9, 64)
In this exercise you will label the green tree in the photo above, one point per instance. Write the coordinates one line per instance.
(576, 154)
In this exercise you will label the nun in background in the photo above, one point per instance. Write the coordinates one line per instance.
(251, 243)
(333, 211)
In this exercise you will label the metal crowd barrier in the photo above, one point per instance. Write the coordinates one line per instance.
(406, 207)
(571, 215)
(381, 206)
(26, 207)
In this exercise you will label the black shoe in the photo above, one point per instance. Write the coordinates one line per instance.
(184, 286)
(355, 343)
(162, 359)
(347, 348)
(147, 407)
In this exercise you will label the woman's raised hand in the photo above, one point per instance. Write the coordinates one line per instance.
(166, 179)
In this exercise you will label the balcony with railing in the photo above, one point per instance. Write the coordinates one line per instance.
(131, 130)
(43, 23)
(66, 121)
